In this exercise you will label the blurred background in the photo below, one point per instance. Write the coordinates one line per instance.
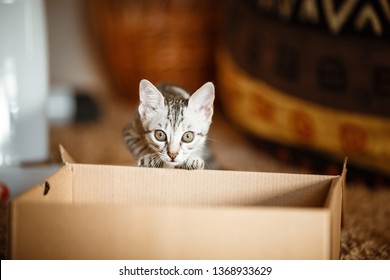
(306, 82)
(300, 85)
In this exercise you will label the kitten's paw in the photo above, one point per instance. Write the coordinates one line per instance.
(149, 161)
(193, 164)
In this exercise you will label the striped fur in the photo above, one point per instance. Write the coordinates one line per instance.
(171, 112)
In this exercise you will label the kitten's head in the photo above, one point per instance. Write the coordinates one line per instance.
(176, 128)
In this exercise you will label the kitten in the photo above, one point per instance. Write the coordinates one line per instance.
(170, 127)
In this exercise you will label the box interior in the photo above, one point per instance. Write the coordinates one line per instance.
(121, 185)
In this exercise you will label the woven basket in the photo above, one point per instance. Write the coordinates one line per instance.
(169, 40)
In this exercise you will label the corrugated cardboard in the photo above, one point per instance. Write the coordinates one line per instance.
(86, 211)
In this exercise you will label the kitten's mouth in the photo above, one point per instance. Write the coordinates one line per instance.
(172, 162)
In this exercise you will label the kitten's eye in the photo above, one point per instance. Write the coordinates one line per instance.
(188, 137)
(160, 135)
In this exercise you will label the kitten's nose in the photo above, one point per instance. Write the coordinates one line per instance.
(172, 155)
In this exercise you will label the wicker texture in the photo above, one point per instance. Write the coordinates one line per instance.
(171, 41)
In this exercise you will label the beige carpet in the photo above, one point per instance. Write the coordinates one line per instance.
(366, 229)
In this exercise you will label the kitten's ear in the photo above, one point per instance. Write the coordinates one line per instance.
(150, 97)
(203, 99)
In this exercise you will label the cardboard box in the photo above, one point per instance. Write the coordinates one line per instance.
(86, 211)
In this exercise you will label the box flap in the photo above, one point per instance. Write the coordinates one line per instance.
(66, 158)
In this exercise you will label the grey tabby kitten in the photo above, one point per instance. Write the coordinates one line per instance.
(170, 127)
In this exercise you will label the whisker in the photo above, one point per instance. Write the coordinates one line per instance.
(213, 140)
